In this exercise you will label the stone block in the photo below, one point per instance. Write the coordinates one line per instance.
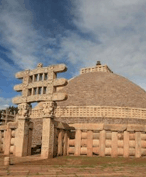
(88, 126)
(12, 125)
(3, 127)
(115, 127)
(136, 128)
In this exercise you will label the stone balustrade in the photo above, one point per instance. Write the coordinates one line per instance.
(97, 68)
(7, 138)
(108, 140)
(95, 111)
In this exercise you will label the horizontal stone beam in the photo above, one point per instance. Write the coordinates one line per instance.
(59, 68)
(18, 88)
(89, 126)
(18, 100)
(56, 68)
(60, 82)
(59, 96)
(21, 74)
(115, 127)
(36, 98)
(12, 125)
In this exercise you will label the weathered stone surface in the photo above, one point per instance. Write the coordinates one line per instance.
(77, 143)
(139, 128)
(47, 138)
(87, 126)
(116, 127)
(12, 125)
(102, 143)
(40, 84)
(126, 144)
(138, 144)
(114, 152)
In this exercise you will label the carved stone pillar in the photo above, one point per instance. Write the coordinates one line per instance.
(7, 141)
(22, 133)
(48, 130)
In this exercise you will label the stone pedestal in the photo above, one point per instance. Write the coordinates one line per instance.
(22, 137)
(47, 138)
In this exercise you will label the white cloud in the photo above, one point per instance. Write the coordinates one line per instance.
(114, 32)
(119, 29)
(18, 34)
(4, 103)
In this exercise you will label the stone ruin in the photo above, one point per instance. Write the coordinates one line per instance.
(96, 113)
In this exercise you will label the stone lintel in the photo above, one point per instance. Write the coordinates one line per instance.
(139, 128)
(3, 127)
(115, 127)
(12, 125)
(45, 97)
(59, 68)
(87, 126)
(61, 125)
(60, 82)
(59, 96)
(21, 74)
(56, 83)
(56, 68)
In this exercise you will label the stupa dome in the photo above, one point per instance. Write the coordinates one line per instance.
(103, 89)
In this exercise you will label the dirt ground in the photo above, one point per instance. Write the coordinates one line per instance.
(73, 166)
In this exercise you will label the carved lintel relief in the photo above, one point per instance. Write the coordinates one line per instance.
(48, 109)
(24, 110)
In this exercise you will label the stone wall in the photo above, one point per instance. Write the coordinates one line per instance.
(37, 132)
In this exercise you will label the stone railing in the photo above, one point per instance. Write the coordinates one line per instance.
(98, 68)
(7, 138)
(95, 111)
(107, 140)
(101, 111)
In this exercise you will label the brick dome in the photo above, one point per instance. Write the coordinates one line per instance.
(103, 89)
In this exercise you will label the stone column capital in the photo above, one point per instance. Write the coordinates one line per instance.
(48, 109)
(24, 110)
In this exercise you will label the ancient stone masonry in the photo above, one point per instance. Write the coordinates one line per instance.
(7, 138)
(39, 85)
(108, 140)
(97, 68)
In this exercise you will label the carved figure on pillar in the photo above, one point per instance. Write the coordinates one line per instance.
(24, 110)
(48, 109)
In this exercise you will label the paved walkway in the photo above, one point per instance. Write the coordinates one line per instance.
(34, 167)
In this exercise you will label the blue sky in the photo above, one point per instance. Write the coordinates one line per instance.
(74, 32)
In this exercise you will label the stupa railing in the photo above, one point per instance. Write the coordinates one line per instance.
(95, 111)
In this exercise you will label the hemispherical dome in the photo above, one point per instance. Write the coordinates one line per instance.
(103, 89)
